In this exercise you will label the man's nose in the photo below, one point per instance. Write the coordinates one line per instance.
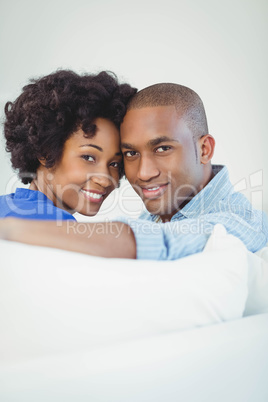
(147, 169)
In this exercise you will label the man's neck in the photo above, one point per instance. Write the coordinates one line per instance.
(208, 176)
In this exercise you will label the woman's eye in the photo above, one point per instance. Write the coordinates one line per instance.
(115, 165)
(130, 154)
(163, 148)
(88, 158)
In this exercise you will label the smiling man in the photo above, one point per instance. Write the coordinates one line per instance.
(167, 152)
(166, 147)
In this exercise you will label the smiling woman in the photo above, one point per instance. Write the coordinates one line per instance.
(63, 136)
(87, 173)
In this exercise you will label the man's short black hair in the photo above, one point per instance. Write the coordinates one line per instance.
(187, 103)
(51, 108)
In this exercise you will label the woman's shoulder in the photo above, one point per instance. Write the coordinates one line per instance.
(30, 204)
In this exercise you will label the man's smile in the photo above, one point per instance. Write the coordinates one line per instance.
(154, 190)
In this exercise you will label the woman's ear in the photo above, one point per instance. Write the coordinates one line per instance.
(206, 146)
(42, 161)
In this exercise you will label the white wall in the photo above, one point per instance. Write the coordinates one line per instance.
(217, 48)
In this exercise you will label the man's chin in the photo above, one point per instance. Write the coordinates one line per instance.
(154, 208)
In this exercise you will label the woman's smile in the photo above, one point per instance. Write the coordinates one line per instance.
(93, 196)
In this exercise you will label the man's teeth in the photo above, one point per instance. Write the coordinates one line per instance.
(92, 195)
(153, 189)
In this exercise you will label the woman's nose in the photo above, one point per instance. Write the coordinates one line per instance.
(102, 179)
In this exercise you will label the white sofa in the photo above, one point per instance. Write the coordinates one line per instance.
(81, 328)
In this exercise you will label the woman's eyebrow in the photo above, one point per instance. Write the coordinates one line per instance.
(99, 148)
(92, 145)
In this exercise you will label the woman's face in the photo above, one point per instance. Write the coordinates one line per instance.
(87, 172)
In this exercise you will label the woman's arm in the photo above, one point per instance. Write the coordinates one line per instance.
(104, 239)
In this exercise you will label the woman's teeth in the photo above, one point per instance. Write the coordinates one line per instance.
(153, 189)
(92, 195)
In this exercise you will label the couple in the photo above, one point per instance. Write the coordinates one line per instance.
(63, 135)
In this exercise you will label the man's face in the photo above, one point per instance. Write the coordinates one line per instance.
(161, 158)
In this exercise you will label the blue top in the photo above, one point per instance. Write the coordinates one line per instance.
(31, 204)
(190, 228)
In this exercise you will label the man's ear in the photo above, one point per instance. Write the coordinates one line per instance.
(206, 146)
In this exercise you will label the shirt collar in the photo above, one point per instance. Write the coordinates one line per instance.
(202, 203)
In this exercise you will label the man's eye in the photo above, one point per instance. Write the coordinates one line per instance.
(88, 158)
(163, 148)
(130, 154)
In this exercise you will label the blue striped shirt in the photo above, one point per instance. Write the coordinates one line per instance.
(190, 228)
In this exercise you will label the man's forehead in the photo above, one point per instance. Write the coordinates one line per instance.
(150, 143)
(135, 134)
(151, 110)
(156, 119)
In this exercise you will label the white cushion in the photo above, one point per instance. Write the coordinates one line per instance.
(54, 301)
(257, 301)
(217, 363)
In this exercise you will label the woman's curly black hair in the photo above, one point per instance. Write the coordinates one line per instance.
(53, 107)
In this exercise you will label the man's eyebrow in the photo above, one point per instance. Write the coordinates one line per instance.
(151, 143)
(99, 148)
(159, 140)
(126, 145)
